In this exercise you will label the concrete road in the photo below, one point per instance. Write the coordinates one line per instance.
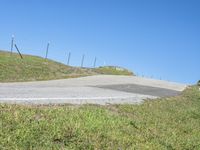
(99, 89)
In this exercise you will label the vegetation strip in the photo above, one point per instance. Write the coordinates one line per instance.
(167, 123)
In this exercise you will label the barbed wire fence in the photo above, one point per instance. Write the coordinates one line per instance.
(69, 55)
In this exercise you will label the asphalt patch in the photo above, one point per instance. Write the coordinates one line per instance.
(140, 89)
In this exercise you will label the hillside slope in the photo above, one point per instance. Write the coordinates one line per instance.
(33, 68)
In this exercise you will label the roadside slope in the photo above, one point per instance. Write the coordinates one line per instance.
(167, 123)
(34, 68)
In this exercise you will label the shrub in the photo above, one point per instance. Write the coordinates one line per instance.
(198, 83)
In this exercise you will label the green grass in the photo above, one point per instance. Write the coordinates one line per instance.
(33, 68)
(169, 123)
(113, 71)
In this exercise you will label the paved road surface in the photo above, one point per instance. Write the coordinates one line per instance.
(100, 89)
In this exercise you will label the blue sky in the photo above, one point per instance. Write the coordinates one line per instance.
(154, 38)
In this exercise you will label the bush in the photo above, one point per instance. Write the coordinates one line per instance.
(198, 83)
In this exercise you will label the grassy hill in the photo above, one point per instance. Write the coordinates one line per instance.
(32, 68)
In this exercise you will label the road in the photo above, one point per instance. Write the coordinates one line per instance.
(99, 89)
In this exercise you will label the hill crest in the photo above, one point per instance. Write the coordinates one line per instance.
(34, 68)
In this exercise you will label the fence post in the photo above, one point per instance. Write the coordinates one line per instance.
(47, 50)
(12, 42)
(68, 59)
(82, 61)
(95, 59)
(18, 51)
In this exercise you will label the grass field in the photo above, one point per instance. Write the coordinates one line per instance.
(33, 68)
(169, 123)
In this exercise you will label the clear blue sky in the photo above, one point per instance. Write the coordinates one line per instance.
(159, 38)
